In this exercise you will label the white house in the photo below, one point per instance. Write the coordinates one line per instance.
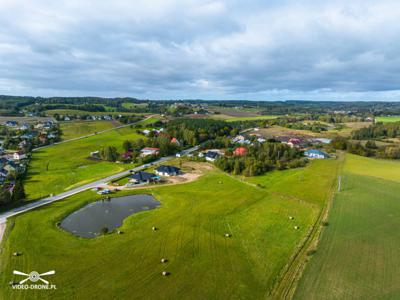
(149, 151)
(19, 155)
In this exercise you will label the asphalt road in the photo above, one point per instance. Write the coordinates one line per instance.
(45, 201)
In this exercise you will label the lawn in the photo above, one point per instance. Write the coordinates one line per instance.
(388, 119)
(64, 166)
(76, 129)
(192, 221)
(357, 257)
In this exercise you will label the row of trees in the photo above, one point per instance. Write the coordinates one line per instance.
(369, 148)
(378, 131)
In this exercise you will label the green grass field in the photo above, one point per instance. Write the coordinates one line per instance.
(388, 119)
(64, 166)
(78, 112)
(76, 129)
(192, 221)
(357, 257)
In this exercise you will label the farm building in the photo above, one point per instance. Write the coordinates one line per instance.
(167, 170)
(240, 151)
(313, 153)
(143, 177)
(149, 151)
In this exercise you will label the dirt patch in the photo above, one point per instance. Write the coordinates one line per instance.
(191, 172)
(278, 131)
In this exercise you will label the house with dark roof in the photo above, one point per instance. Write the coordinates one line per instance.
(143, 177)
(167, 170)
(211, 156)
(313, 153)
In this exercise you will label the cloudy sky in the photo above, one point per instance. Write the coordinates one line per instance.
(170, 49)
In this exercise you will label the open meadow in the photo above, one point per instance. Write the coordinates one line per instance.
(192, 222)
(357, 257)
(60, 167)
(76, 129)
(388, 119)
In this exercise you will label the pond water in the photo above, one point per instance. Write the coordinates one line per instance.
(88, 221)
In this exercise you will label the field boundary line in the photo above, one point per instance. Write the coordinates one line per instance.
(92, 134)
(287, 281)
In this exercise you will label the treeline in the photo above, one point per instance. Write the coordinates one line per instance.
(262, 158)
(377, 131)
(84, 107)
(368, 149)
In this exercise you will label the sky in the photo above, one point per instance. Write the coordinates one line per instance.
(169, 49)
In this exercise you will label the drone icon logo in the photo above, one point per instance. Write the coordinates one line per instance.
(34, 276)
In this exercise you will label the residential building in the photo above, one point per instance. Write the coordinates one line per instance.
(313, 153)
(164, 170)
(149, 151)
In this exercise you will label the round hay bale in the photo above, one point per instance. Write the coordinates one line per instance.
(15, 254)
(296, 227)
(164, 260)
(291, 218)
(154, 228)
(165, 273)
(119, 232)
(228, 235)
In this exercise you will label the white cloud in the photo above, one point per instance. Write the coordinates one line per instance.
(192, 49)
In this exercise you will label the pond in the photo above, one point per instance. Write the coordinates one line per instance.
(89, 221)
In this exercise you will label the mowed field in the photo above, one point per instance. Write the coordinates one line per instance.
(192, 222)
(357, 257)
(76, 129)
(64, 166)
(388, 119)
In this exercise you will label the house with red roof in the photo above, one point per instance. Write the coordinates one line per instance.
(240, 151)
(149, 151)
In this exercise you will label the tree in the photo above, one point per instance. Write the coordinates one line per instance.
(127, 145)
(109, 153)
(5, 197)
(18, 192)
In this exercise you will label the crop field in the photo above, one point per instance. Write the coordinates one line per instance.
(64, 166)
(357, 257)
(192, 222)
(76, 129)
(388, 119)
